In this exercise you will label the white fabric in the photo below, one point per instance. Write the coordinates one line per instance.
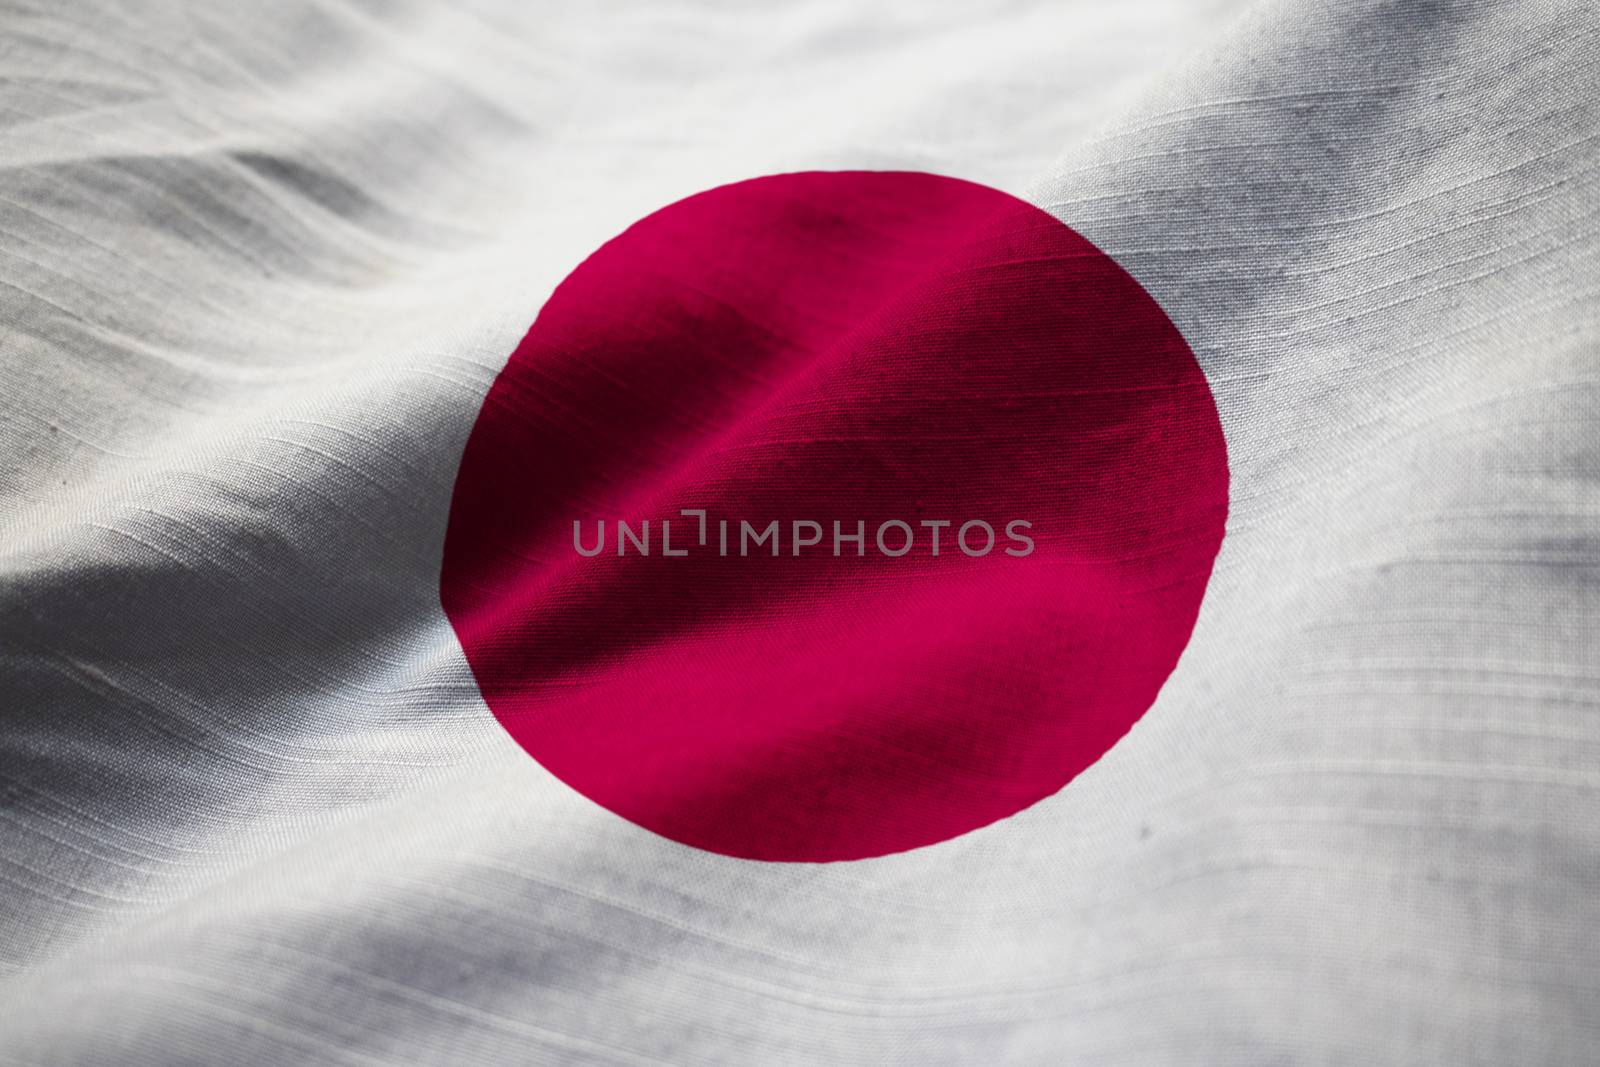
(259, 264)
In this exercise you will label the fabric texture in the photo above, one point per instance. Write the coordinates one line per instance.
(261, 263)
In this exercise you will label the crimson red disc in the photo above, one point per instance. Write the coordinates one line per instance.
(888, 351)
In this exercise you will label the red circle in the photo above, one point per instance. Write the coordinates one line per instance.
(857, 347)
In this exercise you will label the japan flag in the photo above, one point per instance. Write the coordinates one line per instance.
(806, 533)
